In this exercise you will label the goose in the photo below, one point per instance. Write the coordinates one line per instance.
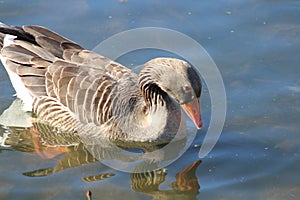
(74, 89)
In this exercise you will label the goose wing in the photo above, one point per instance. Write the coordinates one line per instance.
(64, 73)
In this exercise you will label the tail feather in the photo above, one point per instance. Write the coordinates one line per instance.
(2, 35)
(17, 31)
(1, 39)
(26, 53)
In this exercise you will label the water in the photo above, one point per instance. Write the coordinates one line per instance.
(255, 44)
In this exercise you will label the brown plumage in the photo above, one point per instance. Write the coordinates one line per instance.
(81, 91)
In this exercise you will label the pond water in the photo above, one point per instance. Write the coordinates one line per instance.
(255, 45)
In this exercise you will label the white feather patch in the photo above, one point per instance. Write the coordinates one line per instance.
(21, 90)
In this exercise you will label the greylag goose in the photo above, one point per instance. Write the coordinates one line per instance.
(74, 89)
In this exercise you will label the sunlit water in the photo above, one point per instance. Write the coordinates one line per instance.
(255, 44)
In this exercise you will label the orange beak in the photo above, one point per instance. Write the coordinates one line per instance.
(192, 109)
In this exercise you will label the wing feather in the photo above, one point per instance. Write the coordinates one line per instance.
(50, 45)
(64, 77)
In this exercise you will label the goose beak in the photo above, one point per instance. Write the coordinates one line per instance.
(192, 109)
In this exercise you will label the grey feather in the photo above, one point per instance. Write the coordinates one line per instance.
(81, 91)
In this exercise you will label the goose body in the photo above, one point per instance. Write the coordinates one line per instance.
(76, 90)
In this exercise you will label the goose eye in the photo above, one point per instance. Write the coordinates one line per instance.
(186, 88)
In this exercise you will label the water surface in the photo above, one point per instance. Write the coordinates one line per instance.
(255, 44)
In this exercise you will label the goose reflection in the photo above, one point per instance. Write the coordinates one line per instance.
(74, 150)
(186, 185)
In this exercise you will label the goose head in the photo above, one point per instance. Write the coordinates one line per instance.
(179, 80)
